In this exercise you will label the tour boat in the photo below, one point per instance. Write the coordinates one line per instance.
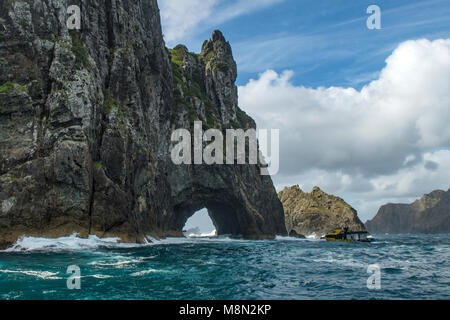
(348, 236)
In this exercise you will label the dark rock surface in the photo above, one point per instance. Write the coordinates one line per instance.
(316, 213)
(85, 124)
(294, 234)
(428, 215)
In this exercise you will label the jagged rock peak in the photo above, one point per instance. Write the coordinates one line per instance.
(292, 190)
(434, 194)
(211, 75)
(181, 47)
(317, 190)
(217, 45)
(217, 36)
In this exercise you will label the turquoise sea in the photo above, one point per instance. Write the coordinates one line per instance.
(410, 267)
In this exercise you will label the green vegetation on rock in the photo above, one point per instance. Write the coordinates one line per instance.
(10, 87)
(10, 2)
(109, 102)
(187, 89)
(79, 50)
(177, 55)
(244, 119)
(221, 66)
(98, 165)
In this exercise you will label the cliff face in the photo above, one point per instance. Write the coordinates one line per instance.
(317, 212)
(85, 124)
(430, 214)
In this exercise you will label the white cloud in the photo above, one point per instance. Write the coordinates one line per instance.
(368, 194)
(371, 145)
(241, 7)
(181, 18)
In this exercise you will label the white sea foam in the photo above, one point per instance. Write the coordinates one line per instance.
(120, 262)
(46, 275)
(75, 243)
(71, 243)
(284, 238)
(98, 276)
(144, 272)
(202, 262)
(212, 234)
(115, 264)
(171, 241)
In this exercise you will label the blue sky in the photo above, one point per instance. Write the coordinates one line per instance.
(362, 113)
(326, 43)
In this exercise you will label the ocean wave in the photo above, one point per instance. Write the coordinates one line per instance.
(308, 238)
(115, 264)
(75, 243)
(286, 268)
(145, 272)
(45, 275)
(98, 276)
(120, 262)
(203, 262)
(71, 243)
(212, 234)
(174, 241)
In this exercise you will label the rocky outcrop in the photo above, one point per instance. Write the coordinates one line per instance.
(428, 215)
(294, 234)
(316, 213)
(85, 123)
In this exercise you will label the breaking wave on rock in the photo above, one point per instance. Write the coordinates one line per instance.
(70, 243)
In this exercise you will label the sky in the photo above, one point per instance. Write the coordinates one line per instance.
(363, 114)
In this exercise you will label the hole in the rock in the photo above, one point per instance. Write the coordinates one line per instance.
(199, 225)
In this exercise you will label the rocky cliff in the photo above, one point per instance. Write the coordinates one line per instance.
(85, 123)
(430, 214)
(317, 212)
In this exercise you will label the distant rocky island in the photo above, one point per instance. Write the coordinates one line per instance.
(317, 212)
(428, 215)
